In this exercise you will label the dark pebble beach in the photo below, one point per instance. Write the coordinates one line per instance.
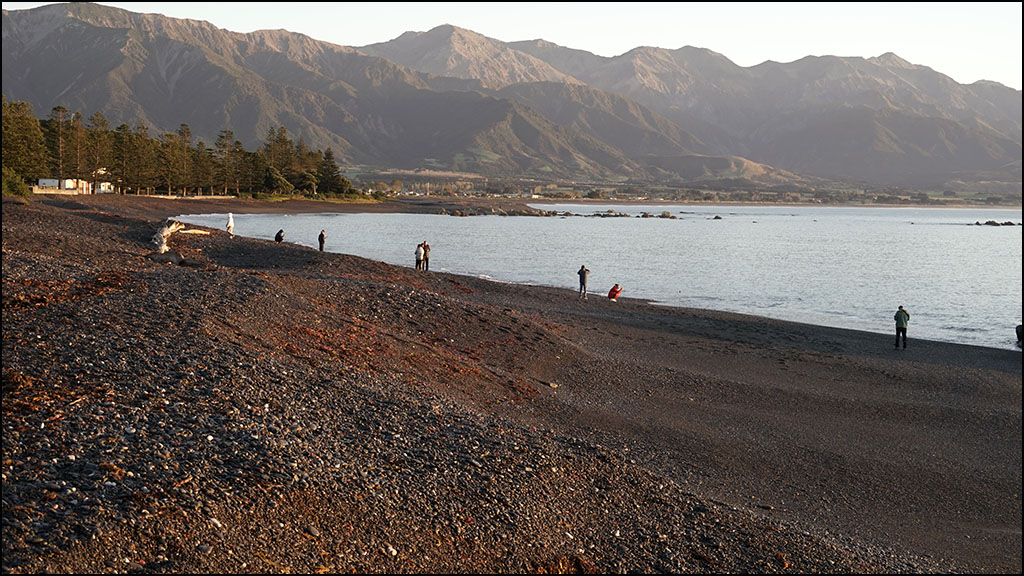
(236, 405)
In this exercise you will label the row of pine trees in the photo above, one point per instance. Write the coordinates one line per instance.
(67, 145)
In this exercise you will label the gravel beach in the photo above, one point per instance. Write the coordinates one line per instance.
(236, 405)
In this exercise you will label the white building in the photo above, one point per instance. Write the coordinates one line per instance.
(70, 186)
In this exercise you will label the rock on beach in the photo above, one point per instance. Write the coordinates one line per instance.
(254, 407)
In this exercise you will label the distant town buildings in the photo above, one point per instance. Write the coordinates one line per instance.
(71, 186)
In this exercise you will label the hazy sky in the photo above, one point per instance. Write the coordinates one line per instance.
(965, 41)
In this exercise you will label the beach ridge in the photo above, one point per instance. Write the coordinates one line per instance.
(268, 407)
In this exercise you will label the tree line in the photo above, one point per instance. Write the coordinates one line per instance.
(65, 145)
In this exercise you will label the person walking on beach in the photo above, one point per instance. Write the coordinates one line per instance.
(231, 225)
(322, 238)
(426, 256)
(419, 256)
(280, 236)
(902, 318)
(583, 272)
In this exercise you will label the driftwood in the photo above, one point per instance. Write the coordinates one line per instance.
(161, 236)
(165, 254)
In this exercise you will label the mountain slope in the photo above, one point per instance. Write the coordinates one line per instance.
(762, 112)
(454, 99)
(455, 52)
(634, 129)
(141, 68)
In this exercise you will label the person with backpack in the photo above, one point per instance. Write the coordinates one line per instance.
(902, 318)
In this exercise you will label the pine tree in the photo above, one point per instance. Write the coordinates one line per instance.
(123, 156)
(99, 149)
(329, 176)
(24, 147)
(145, 175)
(55, 129)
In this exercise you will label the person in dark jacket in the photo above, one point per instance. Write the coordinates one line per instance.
(583, 273)
(323, 238)
(280, 236)
(902, 318)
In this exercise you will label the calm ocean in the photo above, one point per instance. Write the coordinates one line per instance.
(837, 266)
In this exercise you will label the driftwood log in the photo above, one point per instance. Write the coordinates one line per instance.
(161, 236)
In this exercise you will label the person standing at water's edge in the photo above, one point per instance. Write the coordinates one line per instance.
(583, 272)
(426, 256)
(322, 239)
(902, 318)
(279, 237)
(419, 256)
(231, 225)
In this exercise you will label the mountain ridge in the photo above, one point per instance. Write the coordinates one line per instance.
(577, 115)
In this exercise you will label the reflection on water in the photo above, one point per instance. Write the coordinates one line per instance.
(843, 267)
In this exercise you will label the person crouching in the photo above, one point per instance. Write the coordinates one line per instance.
(613, 294)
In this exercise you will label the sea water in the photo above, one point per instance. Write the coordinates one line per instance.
(847, 267)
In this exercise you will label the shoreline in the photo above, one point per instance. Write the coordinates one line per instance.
(158, 206)
(765, 204)
(751, 444)
(999, 340)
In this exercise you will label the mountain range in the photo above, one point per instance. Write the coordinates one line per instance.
(451, 99)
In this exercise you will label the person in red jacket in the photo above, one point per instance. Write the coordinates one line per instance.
(613, 294)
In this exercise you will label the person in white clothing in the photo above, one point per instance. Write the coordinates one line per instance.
(419, 256)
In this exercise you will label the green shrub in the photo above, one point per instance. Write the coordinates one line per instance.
(14, 185)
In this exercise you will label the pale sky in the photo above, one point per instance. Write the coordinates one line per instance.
(965, 41)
